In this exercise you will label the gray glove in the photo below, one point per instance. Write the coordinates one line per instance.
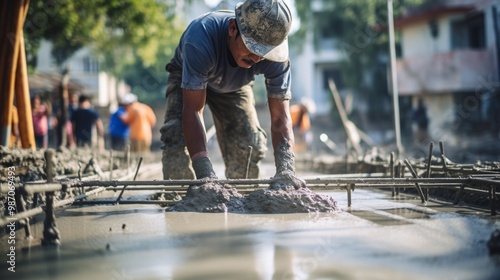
(287, 180)
(284, 159)
(204, 169)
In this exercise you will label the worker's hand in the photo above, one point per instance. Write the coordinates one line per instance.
(285, 180)
(284, 159)
(204, 169)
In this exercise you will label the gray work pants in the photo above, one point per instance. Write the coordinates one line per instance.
(237, 126)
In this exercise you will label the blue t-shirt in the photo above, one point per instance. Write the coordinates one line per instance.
(83, 120)
(203, 53)
(116, 126)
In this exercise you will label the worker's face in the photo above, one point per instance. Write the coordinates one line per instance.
(243, 57)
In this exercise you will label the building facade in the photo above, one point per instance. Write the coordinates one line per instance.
(450, 60)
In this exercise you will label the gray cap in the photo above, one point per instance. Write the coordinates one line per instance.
(264, 26)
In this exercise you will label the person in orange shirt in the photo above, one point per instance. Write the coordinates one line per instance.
(301, 123)
(141, 119)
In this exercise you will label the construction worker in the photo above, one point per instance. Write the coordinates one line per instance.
(141, 119)
(215, 63)
(301, 123)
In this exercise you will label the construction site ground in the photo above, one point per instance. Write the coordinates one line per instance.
(378, 237)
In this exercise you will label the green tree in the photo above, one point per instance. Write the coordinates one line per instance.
(122, 33)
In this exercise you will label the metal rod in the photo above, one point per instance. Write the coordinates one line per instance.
(322, 182)
(30, 188)
(250, 149)
(137, 169)
(135, 177)
(492, 198)
(443, 157)
(349, 195)
(417, 186)
(51, 234)
(325, 181)
(310, 186)
(21, 207)
(391, 166)
(40, 209)
(428, 172)
(97, 202)
(458, 195)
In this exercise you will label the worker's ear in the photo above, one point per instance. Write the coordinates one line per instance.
(233, 29)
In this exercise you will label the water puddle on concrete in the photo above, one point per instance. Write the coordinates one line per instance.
(379, 219)
(397, 216)
(408, 213)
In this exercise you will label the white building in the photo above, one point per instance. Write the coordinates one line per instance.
(312, 65)
(450, 60)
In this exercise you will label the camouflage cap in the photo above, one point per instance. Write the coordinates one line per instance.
(264, 26)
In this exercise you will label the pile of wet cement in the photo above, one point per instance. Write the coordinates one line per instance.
(217, 198)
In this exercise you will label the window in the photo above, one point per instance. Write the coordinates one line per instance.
(469, 33)
(328, 28)
(90, 65)
(332, 73)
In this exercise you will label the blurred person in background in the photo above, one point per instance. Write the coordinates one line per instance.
(72, 106)
(141, 119)
(84, 119)
(41, 113)
(301, 123)
(420, 122)
(118, 130)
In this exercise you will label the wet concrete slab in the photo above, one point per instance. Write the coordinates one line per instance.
(378, 237)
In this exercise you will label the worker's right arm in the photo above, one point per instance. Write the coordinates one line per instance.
(194, 132)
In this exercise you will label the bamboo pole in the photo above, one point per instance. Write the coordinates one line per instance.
(9, 45)
(345, 120)
(22, 94)
(26, 130)
(12, 34)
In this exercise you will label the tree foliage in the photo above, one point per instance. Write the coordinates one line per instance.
(124, 34)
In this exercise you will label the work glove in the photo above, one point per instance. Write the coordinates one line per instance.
(203, 169)
(284, 160)
(286, 180)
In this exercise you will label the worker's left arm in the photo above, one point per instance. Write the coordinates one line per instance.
(283, 141)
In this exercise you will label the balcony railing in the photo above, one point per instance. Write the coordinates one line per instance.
(456, 71)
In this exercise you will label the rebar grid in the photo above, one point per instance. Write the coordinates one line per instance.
(477, 178)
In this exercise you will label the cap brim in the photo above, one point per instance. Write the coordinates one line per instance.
(274, 53)
(270, 52)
